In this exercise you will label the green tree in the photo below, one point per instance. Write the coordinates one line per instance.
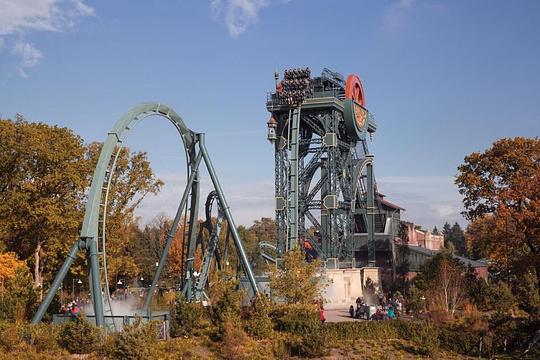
(43, 175)
(262, 230)
(296, 282)
(527, 293)
(403, 266)
(454, 238)
(442, 279)
(502, 299)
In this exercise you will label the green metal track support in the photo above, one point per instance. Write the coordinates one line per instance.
(88, 240)
(170, 235)
(370, 212)
(293, 176)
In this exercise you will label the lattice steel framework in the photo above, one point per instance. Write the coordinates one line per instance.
(323, 169)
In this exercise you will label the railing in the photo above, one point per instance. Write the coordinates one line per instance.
(117, 323)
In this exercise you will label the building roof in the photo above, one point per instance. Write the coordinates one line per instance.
(465, 261)
(380, 198)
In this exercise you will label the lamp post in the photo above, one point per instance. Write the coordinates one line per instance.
(73, 286)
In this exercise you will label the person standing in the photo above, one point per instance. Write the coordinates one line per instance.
(322, 318)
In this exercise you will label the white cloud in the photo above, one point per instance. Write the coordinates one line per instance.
(428, 200)
(395, 14)
(238, 14)
(82, 8)
(30, 56)
(40, 15)
(22, 17)
(22, 73)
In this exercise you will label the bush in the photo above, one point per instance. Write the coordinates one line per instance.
(361, 330)
(513, 335)
(80, 337)
(21, 302)
(10, 337)
(460, 341)
(306, 333)
(234, 340)
(296, 319)
(257, 320)
(226, 301)
(44, 337)
(134, 342)
(186, 317)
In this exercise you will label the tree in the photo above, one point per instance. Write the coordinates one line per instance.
(296, 282)
(403, 255)
(262, 230)
(454, 238)
(132, 180)
(442, 279)
(447, 287)
(527, 293)
(435, 231)
(18, 297)
(502, 182)
(43, 176)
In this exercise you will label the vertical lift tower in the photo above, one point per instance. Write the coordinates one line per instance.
(326, 197)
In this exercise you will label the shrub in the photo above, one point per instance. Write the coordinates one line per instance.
(234, 339)
(80, 337)
(134, 342)
(257, 320)
(185, 317)
(422, 334)
(44, 337)
(302, 322)
(21, 301)
(296, 319)
(10, 337)
(458, 340)
(296, 281)
(365, 330)
(226, 301)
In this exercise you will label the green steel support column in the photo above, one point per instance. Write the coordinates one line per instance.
(370, 212)
(95, 281)
(325, 216)
(228, 216)
(56, 283)
(293, 178)
(170, 235)
(192, 235)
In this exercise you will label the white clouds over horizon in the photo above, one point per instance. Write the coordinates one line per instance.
(21, 18)
(429, 200)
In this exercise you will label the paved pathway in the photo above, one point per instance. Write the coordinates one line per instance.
(339, 315)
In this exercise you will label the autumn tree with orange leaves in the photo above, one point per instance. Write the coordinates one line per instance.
(501, 195)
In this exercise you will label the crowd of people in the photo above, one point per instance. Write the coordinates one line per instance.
(383, 309)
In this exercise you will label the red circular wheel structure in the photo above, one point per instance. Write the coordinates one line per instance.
(354, 89)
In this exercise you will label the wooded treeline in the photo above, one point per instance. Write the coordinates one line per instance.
(45, 173)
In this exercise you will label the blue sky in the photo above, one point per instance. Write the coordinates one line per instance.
(443, 78)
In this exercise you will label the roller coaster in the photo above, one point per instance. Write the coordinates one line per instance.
(326, 198)
(93, 233)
